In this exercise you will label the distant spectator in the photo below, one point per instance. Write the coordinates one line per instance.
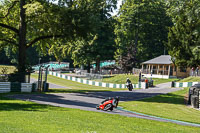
(192, 71)
(197, 71)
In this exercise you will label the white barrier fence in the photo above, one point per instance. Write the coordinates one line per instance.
(6, 87)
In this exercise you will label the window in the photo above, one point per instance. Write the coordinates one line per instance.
(167, 67)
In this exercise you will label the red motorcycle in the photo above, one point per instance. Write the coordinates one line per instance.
(108, 104)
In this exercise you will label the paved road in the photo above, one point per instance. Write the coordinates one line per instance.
(88, 101)
(51, 85)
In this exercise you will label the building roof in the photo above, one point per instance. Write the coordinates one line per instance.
(163, 59)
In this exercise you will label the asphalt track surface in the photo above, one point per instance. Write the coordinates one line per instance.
(51, 85)
(88, 101)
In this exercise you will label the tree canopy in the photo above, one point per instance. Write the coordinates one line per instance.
(41, 23)
(142, 26)
(86, 32)
(184, 35)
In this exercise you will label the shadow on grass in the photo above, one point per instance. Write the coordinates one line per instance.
(22, 107)
(140, 96)
(49, 99)
(9, 104)
(83, 98)
(166, 98)
(73, 91)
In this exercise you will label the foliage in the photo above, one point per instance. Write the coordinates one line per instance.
(46, 25)
(184, 35)
(7, 69)
(98, 46)
(142, 25)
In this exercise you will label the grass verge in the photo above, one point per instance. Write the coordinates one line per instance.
(73, 86)
(190, 79)
(27, 117)
(170, 106)
(121, 79)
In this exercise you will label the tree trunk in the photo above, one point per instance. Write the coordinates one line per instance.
(98, 65)
(88, 67)
(22, 42)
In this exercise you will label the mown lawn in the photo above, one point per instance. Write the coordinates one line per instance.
(190, 79)
(73, 86)
(170, 106)
(121, 79)
(27, 117)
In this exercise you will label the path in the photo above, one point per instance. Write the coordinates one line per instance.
(88, 101)
(51, 85)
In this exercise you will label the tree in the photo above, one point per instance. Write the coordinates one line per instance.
(184, 35)
(142, 25)
(41, 23)
(97, 47)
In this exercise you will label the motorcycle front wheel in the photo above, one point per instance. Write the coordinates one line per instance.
(97, 107)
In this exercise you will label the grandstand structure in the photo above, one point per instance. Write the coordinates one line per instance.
(53, 66)
(105, 63)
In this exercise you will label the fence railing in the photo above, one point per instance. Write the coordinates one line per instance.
(155, 71)
(90, 76)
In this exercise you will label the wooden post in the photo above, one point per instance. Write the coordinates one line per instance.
(169, 70)
(149, 69)
(158, 69)
(163, 70)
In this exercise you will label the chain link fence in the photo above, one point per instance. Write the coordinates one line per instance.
(91, 76)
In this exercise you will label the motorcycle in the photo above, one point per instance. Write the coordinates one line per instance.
(108, 104)
(129, 86)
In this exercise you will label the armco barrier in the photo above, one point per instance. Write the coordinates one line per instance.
(26, 87)
(6, 87)
(183, 84)
(95, 83)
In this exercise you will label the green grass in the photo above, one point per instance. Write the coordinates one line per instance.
(190, 79)
(27, 117)
(73, 86)
(121, 79)
(170, 106)
(8, 69)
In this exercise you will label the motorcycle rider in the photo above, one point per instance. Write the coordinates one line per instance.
(112, 103)
(109, 98)
(129, 84)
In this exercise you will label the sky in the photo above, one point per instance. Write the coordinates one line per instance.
(114, 13)
(119, 2)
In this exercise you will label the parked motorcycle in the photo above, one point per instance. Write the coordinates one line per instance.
(108, 104)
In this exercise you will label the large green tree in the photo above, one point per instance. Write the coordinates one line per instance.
(99, 46)
(41, 23)
(184, 35)
(141, 30)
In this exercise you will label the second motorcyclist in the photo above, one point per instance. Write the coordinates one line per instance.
(129, 84)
